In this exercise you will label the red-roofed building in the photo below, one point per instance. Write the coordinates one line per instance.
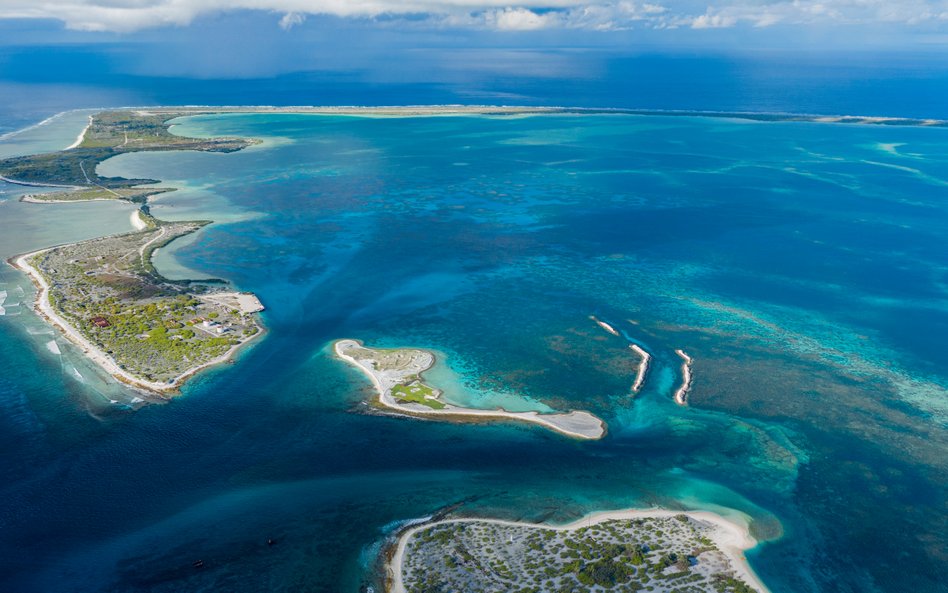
(100, 322)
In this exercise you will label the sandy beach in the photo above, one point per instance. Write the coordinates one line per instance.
(576, 424)
(32, 199)
(31, 184)
(731, 537)
(681, 396)
(43, 307)
(81, 136)
(136, 219)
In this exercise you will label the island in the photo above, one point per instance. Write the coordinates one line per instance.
(623, 551)
(148, 332)
(105, 294)
(397, 377)
(71, 173)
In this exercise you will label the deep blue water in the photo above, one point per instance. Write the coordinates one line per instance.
(39, 79)
(801, 265)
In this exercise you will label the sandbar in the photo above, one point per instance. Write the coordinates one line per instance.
(604, 325)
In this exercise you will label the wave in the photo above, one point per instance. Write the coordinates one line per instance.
(33, 126)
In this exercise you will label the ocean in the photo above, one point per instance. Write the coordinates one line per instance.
(801, 265)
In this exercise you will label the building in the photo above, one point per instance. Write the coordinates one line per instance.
(100, 322)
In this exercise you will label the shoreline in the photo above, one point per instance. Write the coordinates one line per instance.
(731, 537)
(136, 219)
(32, 199)
(34, 184)
(681, 396)
(44, 309)
(81, 136)
(452, 412)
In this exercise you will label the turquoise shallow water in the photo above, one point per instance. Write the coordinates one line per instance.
(801, 265)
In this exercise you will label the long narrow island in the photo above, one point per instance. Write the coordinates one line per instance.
(397, 377)
(622, 551)
(105, 295)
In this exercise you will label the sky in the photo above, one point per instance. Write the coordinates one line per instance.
(912, 21)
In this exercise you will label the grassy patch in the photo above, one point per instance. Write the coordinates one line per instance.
(100, 193)
(416, 393)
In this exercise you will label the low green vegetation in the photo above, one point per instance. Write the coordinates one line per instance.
(658, 554)
(154, 329)
(417, 393)
(136, 195)
(111, 133)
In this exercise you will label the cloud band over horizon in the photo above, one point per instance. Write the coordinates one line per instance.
(125, 16)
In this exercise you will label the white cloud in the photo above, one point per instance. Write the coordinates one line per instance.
(521, 19)
(506, 15)
(291, 19)
(712, 21)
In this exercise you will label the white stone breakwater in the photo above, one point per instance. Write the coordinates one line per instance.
(644, 357)
(681, 396)
(642, 369)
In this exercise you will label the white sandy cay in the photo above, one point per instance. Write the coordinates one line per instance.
(81, 136)
(731, 537)
(605, 326)
(3, 299)
(644, 360)
(96, 355)
(576, 424)
(681, 396)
